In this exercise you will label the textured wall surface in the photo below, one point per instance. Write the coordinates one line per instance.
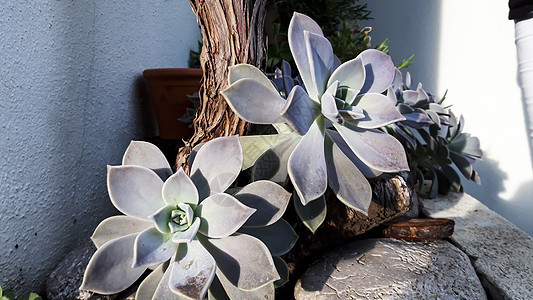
(473, 56)
(71, 99)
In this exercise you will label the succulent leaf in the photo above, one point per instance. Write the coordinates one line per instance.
(379, 71)
(212, 175)
(192, 271)
(189, 234)
(268, 198)
(147, 155)
(242, 71)
(321, 59)
(283, 271)
(278, 237)
(307, 164)
(329, 109)
(254, 102)
(253, 146)
(245, 271)
(152, 248)
(263, 293)
(379, 111)
(179, 188)
(117, 226)
(347, 182)
(273, 163)
(300, 111)
(313, 214)
(149, 285)
(161, 218)
(350, 74)
(164, 290)
(134, 190)
(222, 215)
(109, 271)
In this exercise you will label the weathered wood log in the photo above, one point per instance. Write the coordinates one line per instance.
(232, 33)
(419, 229)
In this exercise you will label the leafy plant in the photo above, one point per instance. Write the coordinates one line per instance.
(330, 133)
(9, 295)
(197, 238)
(437, 148)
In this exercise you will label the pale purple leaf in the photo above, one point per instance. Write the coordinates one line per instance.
(332, 88)
(242, 71)
(297, 43)
(273, 163)
(352, 112)
(163, 290)
(377, 149)
(149, 285)
(179, 188)
(278, 237)
(268, 198)
(397, 82)
(347, 182)
(109, 271)
(161, 218)
(222, 215)
(410, 97)
(188, 235)
(152, 248)
(117, 226)
(379, 71)
(254, 102)
(307, 164)
(350, 74)
(134, 190)
(253, 146)
(192, 271)
(313, 214)
(329, 109)
(244, 260)
(264, 293)
(379, 111)
(147, 155)
(216, 165)
(321, 56)
(300, 111)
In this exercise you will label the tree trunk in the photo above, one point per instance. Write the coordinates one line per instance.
(232, 33)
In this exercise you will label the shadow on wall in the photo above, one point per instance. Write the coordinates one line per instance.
(412, 27)
(519, 205)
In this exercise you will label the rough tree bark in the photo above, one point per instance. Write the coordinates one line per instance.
(232, 33)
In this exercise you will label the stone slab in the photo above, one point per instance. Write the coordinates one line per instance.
(391, 269)
(501, 253)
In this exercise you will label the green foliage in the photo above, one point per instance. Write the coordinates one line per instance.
(194, 56)
(342, 30)
(9, 295)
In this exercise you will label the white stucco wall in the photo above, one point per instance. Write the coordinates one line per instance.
(468, 48)
(71, 99)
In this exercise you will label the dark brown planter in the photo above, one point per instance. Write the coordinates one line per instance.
(169, 89)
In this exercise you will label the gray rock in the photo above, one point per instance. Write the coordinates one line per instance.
(501, 253)
(391, 269)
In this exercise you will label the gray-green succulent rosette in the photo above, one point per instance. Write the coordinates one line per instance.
(328, 127)
(185, 228)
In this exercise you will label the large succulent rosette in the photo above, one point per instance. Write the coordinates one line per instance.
(185, 228)
(328, 128)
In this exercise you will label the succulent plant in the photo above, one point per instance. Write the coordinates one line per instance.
(433, 139)
(9, 295)
(327, 127)
(185, 228)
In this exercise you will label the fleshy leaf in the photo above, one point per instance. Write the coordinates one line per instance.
(298, 25)
(222, 215)
(312, 214)
(161, 218)
(273, 163)
(377, 149)
(147, 155)
(164, 291)
(350, 74)
(216, 290)
(278, 237)
(329, 109)
(379, 71)
(264, 293)
(345, 179)
(242, 71)
(253, 146)
(188, 235)
(379, 111)
(134, 190)
(268, 198)
(216, 165)
(192, 271)
(244, 260)
(149, 285)
(307, 164)
(179, 188)
(283, 271)
(462, 164)
(117, 226)
(300, 111)
(109, 271)
(152, 248)
(254, 102)
(321, 58)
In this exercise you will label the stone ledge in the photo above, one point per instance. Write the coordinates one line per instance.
(501, 253)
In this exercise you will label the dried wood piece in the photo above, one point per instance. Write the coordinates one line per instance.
(419, 229)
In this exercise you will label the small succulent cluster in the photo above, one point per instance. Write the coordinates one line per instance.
(196, 238)
(9, 295)
(328, 127)
(436, 147)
